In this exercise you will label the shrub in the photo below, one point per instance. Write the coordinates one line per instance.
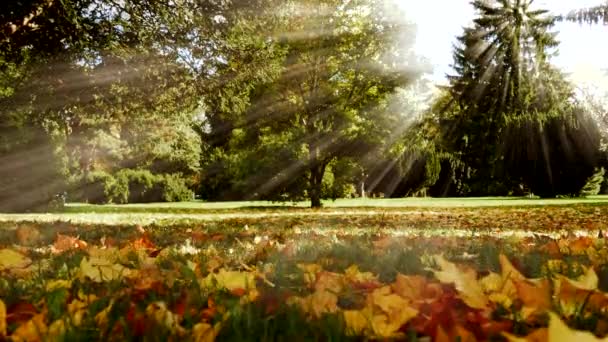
(175, 189)
(132, 186)
(594, 183)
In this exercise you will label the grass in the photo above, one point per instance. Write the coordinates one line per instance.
(411, 202)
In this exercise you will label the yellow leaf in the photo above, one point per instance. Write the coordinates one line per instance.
(100, 270)
(560, 332)
(322, 302)
(354, 275)
(57, 330)
(310, 272)
(388, 301)
(509, 275)
(394, 311)
(31, 331)
(205, 332)
(58, 284)
(588, 281)
(10, 259)
(357, 321)
(538, 335)
(2, 319)
(409, 287)
(465, 282)
(329, 281)
(231, 280)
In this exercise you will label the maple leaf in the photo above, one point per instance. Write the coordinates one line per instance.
(353, 275)
(317, 303)
(464, 280)
(10, 260)
(32, 331)
(100, 270)
(409, 287)
(329, 281)
(230, 280)
(65, 243)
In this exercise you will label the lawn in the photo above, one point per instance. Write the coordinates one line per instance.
(411, 269)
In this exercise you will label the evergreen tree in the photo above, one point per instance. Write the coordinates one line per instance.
(514, 111)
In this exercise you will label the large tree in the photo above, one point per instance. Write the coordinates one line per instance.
(337, 64)
(512, 106)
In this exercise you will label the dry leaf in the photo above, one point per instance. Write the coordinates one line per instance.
(10, 259)
(2, 319)
(465, 282)
(33, 330)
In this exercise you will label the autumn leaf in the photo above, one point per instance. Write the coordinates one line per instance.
(10, 259)
(2, 319)
(410, 287)
(535, 295)
(357, 321)
(538, 335)
(559, 332)
(230, 280)
(33, 330)
(100, 270)
(205, 332)
(65, 243)
(464, 280)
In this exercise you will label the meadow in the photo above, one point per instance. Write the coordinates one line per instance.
(411, 269)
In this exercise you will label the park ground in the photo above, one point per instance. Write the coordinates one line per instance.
(408, 269)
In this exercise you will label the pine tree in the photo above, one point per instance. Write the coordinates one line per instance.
(516, 116)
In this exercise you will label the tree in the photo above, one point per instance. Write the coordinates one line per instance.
(509, 100)
(592, 15)
(336, 65)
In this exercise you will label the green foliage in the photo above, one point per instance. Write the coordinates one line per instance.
(322, 97)
(511, 119)
(133, 186)
(594, 183)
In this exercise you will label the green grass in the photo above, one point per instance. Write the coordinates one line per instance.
(411, 202)
(403, 212)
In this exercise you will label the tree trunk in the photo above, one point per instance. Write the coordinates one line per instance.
(317, 170)
(316, 180)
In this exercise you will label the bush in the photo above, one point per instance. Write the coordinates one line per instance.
(133, 186)
(175, 189)
(594, 183)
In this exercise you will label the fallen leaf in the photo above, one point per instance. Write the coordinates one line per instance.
(10, 259)
(65, 243)
(205, 332)
(465, 282)
(100, 270)
(558, 331)
(2, 319)
(33, 330)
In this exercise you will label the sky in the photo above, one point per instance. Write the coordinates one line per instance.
(583, 52)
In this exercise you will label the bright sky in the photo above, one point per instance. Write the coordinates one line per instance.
(583, 52)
